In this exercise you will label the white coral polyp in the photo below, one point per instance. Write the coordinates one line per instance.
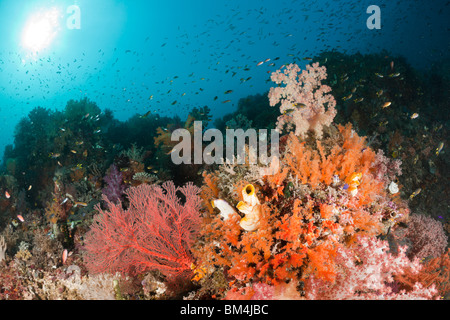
(393, 188)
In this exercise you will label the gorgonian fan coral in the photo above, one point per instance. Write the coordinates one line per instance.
(156, 232)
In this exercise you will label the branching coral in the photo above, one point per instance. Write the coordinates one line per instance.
(134, 153)
(434, 272)
(427, 237)
(155, 232)
(114, 184)
(164, 135)
(305, 102)
(366, 271)
(57, 210)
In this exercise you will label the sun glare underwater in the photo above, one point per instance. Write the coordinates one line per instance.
(237, 150)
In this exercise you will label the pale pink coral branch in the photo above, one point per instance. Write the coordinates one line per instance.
(305, 102)
(366, 271)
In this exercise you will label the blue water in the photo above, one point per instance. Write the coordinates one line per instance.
(135, 56)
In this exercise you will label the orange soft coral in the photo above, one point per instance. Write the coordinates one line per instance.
(209, 191)
(352, 159)
(307, 213)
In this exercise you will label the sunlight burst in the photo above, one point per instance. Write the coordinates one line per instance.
(41, 29)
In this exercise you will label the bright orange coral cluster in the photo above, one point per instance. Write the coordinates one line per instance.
(308, 213)
(314, 166)
(210, 191)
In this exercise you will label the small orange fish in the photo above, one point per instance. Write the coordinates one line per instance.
(347, 97)
(259, 63)
(353, 182)
(7, 195)
(415, 193)
(439, 148)
(21, 219)
(353, 179)
(386, 104)
(82, 204)
(64, 256)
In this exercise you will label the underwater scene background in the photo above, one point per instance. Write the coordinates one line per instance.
(93, 206)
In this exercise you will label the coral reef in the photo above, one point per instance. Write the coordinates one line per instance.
(331, 198)
(354, 207)
(307, 212)
(411, 128)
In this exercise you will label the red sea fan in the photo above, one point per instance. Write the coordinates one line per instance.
(156, 232)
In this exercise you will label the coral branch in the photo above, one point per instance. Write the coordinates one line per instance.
(305, 102)
(155, 232)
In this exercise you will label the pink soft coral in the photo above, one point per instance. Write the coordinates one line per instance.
(303, 99)
(366, 271)
(427, 237)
